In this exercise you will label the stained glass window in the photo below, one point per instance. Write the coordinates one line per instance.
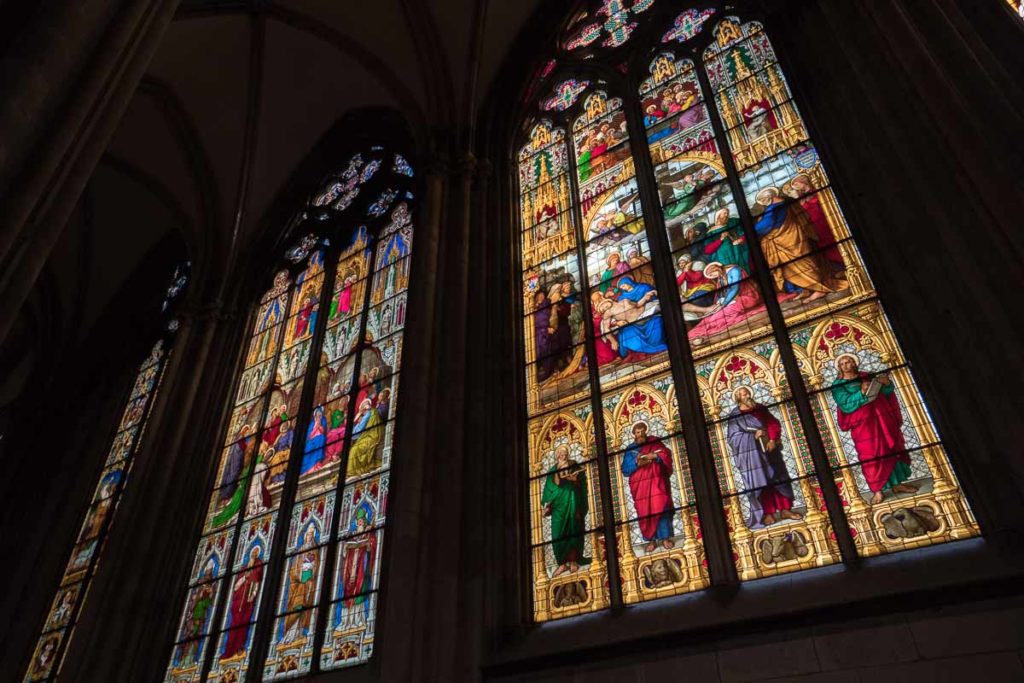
(100, 511)
(691, 290)
(285, 579)
(1017, 6)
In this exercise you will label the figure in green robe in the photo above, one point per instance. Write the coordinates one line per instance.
(726, 243)
(565, 500)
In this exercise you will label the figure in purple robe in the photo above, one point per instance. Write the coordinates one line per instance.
(755, 439)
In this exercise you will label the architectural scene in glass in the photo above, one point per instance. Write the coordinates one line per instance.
(679, 233)
(285, 577)
(99, 515)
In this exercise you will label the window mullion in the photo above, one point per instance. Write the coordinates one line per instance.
(600, 436)
(275, 563)
(330, 554)
(762, 274)
(717, 547)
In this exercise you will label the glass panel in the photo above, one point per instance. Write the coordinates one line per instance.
(212, 556)
(186, 662)
(349, 294)
(390, 281)
(570, 577)
(370, 449)
(611, 214)
(122, 445)
(291, 646)
(627, 351)
(357, 570)
(44, 658)
(364, 505)
(63, 607)
(351, 630)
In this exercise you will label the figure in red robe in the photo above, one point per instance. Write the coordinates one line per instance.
(243, 603)
(360, 554)
(759, 117)
(606, 347)
(306, 319)
(867, 407)
(803, 189)
(648, 464)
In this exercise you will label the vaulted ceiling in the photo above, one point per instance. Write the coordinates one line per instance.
(298, 65)
(236, 95)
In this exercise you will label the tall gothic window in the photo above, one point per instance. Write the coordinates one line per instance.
(285, 577)
(700, 331)
(112, 479)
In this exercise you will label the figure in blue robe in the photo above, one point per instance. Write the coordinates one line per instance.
(316, 439)
(647, 336)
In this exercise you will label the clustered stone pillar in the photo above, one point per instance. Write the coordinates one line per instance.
(136, 598)
(427, 608)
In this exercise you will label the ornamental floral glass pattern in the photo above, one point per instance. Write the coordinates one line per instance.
(727, 215)
(99, 515)
(615, 20)
(287, 573)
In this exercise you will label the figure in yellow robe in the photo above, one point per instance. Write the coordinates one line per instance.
(789, 240)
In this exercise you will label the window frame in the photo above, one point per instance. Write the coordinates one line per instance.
(529, 643)
(334, 229)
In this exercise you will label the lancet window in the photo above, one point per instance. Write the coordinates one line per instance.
(704, 349)
(285, 579)
(113, 477)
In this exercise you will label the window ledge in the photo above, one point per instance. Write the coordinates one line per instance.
(901, 581)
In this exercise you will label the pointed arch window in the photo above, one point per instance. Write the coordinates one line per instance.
(285, 578)
(100, 513)
(701, 337)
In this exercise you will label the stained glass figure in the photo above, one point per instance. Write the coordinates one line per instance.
(304, 472)
(85, 555)
(735, 182)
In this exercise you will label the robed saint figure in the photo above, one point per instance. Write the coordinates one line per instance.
(648, 465)
(755, 439)
(565, 500)
(867, 408)
(243, 603)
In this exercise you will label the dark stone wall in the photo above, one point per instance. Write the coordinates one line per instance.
(978, 640)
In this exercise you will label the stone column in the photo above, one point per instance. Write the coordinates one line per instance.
(422, 635)
(135, 597)
(66, 83)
